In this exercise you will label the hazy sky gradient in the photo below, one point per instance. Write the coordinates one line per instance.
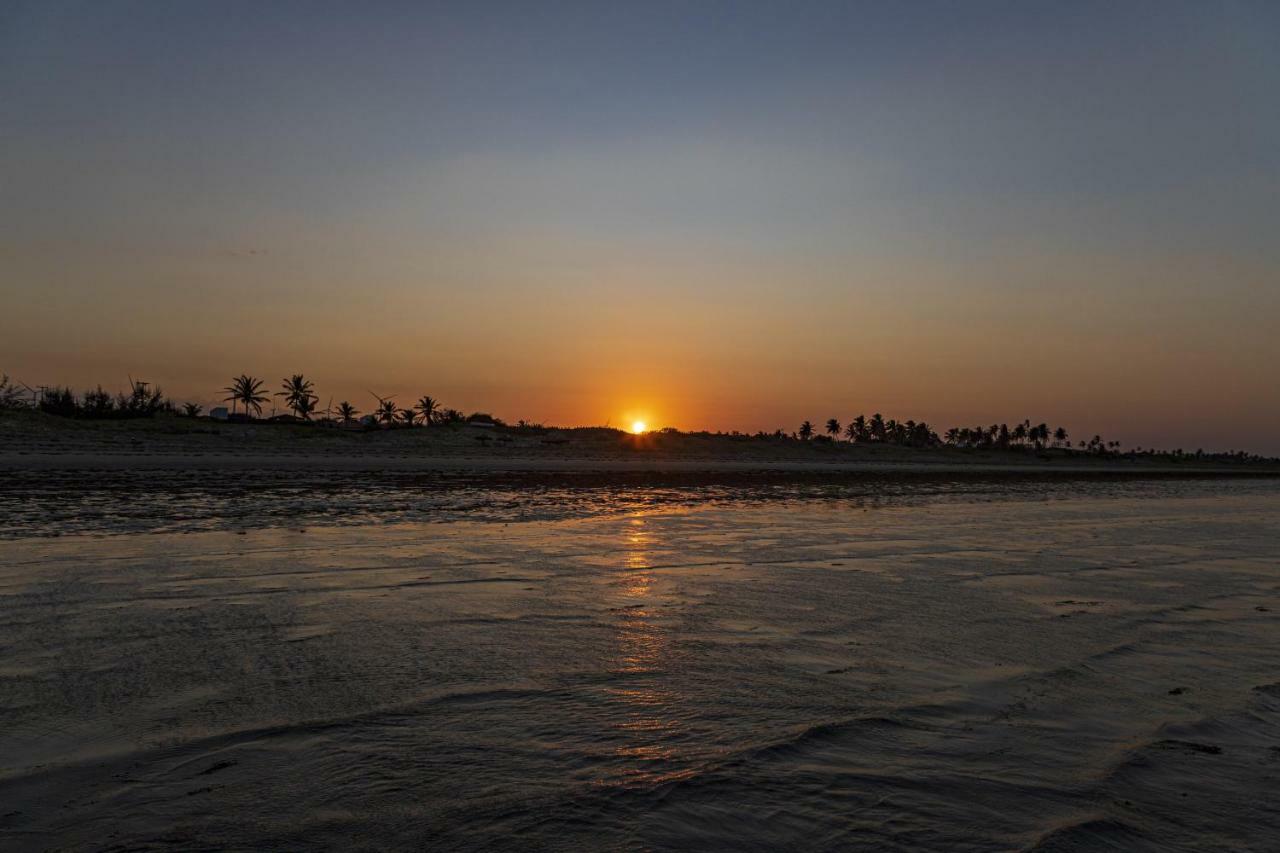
(709, 215)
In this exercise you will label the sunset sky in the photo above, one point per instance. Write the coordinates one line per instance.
(706, 215)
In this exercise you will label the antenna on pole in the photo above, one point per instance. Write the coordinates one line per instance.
(34, 394)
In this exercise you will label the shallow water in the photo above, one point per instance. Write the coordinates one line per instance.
(1060, 666)
(56, 503)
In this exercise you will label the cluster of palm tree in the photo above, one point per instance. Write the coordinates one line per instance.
(298, 393)
(298, 396)
(246, 392)
(875, 429)
(427, 411)
(1002, 436)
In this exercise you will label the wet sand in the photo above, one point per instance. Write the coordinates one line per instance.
(1082, 667)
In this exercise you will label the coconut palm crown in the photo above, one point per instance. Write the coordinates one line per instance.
(246, 390)
(429, 408)
(298, 395)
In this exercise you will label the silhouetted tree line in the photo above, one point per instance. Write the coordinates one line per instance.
(1025, 435)
(878, 430)
(142, 401)
(873, 430)
(247, 395)
(1001, 436)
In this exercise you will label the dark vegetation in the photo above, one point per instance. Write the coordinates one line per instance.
(141, 401)
(247, 395)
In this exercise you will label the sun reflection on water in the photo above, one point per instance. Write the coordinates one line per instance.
(649, 727)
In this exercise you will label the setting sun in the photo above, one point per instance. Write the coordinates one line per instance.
(638, 427)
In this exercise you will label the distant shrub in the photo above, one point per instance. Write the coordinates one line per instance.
(97, 404)
(529, 428)
(11, 396)
(59, 401)
(484, 418)
(142, 401)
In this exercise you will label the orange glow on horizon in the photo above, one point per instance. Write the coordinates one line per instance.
(639, 427)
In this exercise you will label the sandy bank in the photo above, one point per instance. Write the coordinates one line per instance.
(927, 464)
(32, 442)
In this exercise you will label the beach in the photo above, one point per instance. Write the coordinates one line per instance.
(403, 659)
(640, 427)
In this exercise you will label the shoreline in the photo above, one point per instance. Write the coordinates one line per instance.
(655, 464)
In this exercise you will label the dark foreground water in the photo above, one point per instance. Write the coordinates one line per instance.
(1054, 666)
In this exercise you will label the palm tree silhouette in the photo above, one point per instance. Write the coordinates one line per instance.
(408, 417)
(347, 412)
(1060, 435)
(192, 410)
(247, 390)
(806, 431)
(386, 411)
(429, 407)
(833, 428)
(877, 426)
(298, 396)
(851, 431)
